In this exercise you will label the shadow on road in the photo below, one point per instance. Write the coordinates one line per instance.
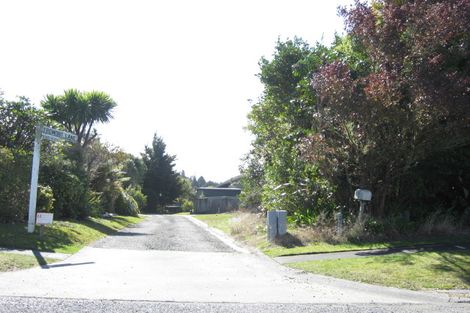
(65, 265)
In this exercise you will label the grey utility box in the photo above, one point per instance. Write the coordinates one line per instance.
(277, 223)
(281, 222)
(271, 221)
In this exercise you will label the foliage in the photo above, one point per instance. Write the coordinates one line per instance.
(160, 185)
(135, 169)
(18, 120)
(15, 169)
(375, 128)
(274, 174)
(187, 205)
(80, 111)
(138, 196)
(187, 195)
(75, 181)
(70, 188)
(45, 199)
(383, 108)
(201, 182)
(187, 190)
(126, 205)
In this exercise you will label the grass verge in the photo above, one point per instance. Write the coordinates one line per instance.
(12, 262)
(221, 221)
(417, 271)
(250, 228)
(274, 250)
(63, 236)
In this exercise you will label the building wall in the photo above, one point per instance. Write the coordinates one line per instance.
(216, 204)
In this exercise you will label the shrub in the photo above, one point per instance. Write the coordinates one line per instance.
(15, 173)
(139, 197)
(187, 205)
(71, 193)
(45, 199)
(126, 205)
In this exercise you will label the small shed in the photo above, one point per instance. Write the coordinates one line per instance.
(216, 200)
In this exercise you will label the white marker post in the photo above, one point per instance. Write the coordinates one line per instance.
(53, 135)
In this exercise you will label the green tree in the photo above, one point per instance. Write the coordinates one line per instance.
(18, 120)
(381, 128)
(274, 174)
(160, 184)
(79, 112)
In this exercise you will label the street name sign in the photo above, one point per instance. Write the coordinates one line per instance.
(42, 132)
(56, 135)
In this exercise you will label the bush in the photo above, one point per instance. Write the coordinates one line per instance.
(187, 205)
(95, 203)
(139, 197)
(45, 199)
(15, 167)
(126, 205)
(71, 193)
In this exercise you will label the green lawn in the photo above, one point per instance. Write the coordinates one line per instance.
(255, 234)
(274, 250)
(13, 262)
(424, 270)
(63, 236)
(219, 221)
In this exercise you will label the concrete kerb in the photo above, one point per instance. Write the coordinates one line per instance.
(52, 255)
(218, 234)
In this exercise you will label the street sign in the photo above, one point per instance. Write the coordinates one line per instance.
(56, 135)
(50, 134)
(44, 218)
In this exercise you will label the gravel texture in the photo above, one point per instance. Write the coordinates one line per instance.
(48, 305)
(164, 232)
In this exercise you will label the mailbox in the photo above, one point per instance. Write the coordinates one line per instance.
(362, 195)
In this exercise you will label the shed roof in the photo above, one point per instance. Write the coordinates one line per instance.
(218, 192)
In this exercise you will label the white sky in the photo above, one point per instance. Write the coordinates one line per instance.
(183, 69)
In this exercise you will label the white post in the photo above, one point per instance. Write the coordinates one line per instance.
(34, 181)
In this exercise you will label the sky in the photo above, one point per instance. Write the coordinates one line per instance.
(183, 69)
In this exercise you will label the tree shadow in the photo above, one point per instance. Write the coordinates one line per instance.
(457, 262)
(288, 241)
(104, 228)
(128, 234)
(15, 236)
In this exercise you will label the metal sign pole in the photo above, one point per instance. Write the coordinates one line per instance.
(34, 180)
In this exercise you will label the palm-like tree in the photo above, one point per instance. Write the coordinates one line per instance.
(79, 111)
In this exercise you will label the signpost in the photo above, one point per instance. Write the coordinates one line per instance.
(43, 219)
(53, 135)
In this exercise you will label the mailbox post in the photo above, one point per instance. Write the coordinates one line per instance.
(364, 196)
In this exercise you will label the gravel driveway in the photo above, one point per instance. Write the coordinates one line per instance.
(164, 232)
(174, 264)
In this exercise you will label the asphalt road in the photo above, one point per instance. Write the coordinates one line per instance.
(35, 305)
(176, 264)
